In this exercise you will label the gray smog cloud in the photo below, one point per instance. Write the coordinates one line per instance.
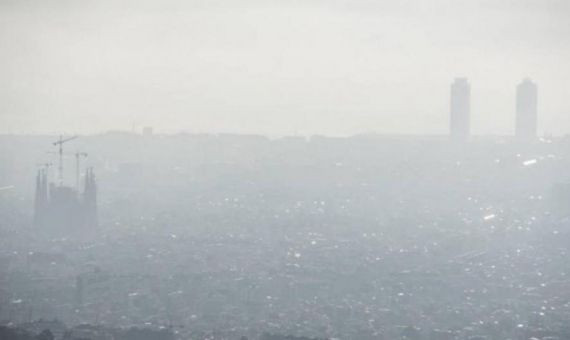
(278, 67)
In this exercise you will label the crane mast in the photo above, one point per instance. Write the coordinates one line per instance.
(60, 143)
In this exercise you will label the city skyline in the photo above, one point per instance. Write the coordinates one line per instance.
(284, 169)
(525, 124)
(278, 68)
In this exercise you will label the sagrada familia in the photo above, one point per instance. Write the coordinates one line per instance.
(62, 208)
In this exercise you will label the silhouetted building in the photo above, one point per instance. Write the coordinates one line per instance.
(41, 199)
(460, 109)
(90, 200)
(60, 207)
(526, 110)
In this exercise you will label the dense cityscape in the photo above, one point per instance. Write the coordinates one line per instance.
(284, 170)
(367, 237)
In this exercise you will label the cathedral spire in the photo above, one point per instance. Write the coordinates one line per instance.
(90, 199)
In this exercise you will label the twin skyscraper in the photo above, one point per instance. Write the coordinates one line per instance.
(526, 110)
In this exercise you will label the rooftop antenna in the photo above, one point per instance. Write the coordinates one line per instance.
(60, 142)
(78, 156)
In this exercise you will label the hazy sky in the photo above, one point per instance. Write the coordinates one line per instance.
(278, 67)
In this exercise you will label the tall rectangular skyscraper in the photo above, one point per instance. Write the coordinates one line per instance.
(526, 110)
(460, 110)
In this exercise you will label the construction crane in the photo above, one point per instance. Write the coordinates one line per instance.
(60, 142)
(78, 156)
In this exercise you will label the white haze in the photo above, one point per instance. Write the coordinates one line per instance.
(278, 67)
